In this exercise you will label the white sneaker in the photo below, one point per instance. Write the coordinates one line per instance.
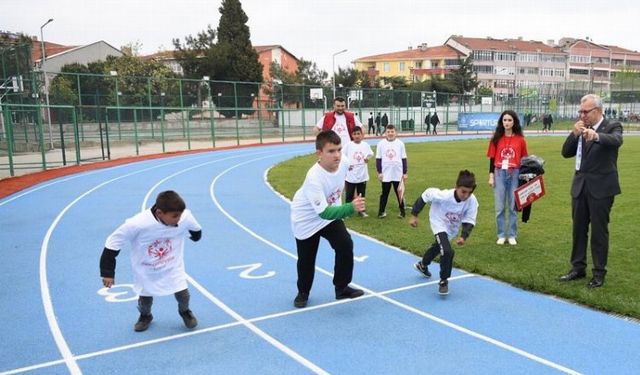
(500, 241)
(363, 214)
(512, 241)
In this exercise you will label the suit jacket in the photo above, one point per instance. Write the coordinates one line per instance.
(599, 166)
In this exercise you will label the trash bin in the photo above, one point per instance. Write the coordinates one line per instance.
(407, 124)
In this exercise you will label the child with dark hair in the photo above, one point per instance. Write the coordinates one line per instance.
(317, 212)
(450, 210)
(156, 237)
(358, 152)
(391, 165)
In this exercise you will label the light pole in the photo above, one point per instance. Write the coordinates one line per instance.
(333, 68)
(46, 83)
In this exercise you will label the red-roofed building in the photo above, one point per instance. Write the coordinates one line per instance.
(413, 64)
(513, 66)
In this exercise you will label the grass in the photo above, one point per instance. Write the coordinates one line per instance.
(544, 243)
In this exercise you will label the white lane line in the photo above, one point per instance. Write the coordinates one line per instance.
(88, 173)
(54, 327)
(434, 318)
(224, 326)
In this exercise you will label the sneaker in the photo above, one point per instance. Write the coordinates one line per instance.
(189, 320)
(424, 270)
(301, 300)
(443, 287)
(363, 214)
(500, 241)
(512, 241)
(401, 215)
(349, 292)
(143, 323)
(382, 215)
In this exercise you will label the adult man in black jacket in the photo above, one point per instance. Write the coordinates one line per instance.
(594, 142)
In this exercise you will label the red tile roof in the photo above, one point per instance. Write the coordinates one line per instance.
(413, 54)
(514, 45)
(50, 48)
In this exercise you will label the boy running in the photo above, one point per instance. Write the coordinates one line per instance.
(449, 210)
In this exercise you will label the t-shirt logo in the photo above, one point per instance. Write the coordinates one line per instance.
(358, 156)
(452, 217)
(334, 197)
(339, 128)
(390, 154)
(160, 248)
(508, 153)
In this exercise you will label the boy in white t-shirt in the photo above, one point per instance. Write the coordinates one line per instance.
(391, 164)
(157, 238)
(450, 209)
(316, 212)
(358, 152)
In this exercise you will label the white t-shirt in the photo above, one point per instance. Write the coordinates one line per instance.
(157, 252)
(340, 127)
(391, 154)
(319, 190)
(446, 214)
(357, 153)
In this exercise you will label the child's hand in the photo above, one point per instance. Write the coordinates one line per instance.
(413, 221)
(358, 203)
(108, 281)
(460, 241)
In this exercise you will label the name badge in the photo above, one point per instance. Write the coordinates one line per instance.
(505, 164)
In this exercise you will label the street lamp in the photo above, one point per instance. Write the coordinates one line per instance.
(333, 67)
(46, 83)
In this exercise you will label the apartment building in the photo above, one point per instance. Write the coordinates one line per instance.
(513, 66)
(413, 64)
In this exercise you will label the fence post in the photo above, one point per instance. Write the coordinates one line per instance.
(76, 136)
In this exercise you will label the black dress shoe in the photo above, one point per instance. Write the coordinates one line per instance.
(596, 282)
(573, 275)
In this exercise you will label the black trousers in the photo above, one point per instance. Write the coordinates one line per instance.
(441, 247)
(341, 242)
(145, 302)
(350, 189)
(384, 196)
(588, 210)
(371, 129)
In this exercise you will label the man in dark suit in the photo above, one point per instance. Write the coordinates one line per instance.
(594, 142)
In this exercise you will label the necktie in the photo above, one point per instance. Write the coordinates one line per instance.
(579, 150)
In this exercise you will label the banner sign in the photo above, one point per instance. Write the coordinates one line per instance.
(479, 120)
(529, 192)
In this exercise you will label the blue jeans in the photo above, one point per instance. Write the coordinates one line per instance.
(506, 183)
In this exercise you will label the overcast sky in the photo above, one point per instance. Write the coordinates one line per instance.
(316, 29)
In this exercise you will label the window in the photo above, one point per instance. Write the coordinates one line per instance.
(401, 66)
(483, 69)
(483, 55)
(417, 64)
(580, 59)
(584, 72)
(386, 67)
(504, 70)
(505, 56)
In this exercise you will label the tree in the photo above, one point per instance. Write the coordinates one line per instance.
(351, 77)
(132, 48)
(225, 54)
(309, 74)
(463, 78)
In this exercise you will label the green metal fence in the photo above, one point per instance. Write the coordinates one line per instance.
(100, 117)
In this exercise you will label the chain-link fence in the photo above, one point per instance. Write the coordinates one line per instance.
(98, 117)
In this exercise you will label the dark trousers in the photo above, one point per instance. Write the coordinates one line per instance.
(350, 189)
(589, 210)
(372, 129)
(145, 302)
(384, 196)
(341, 242)
(441, 247)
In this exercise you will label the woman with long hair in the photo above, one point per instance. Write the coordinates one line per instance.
(506, 148)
